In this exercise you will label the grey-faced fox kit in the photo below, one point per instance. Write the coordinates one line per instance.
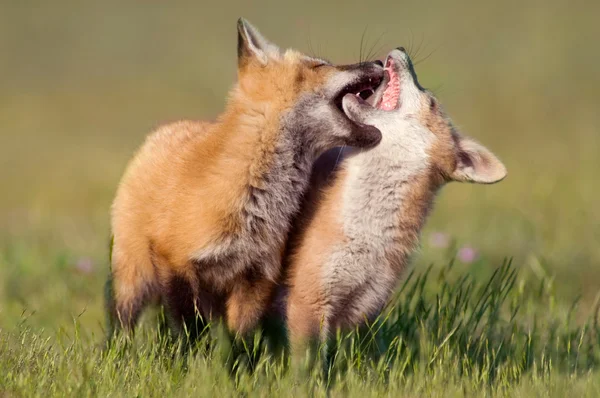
(203, 210)
(365, 209)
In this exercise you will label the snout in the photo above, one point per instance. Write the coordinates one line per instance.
(360, 79)
(373, 66)
(371, 72)
(398, 60)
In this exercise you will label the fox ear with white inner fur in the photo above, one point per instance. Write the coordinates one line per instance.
(475, 163)
(252, 45)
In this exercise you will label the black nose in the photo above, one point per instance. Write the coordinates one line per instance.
(378, 62)
(401, 49)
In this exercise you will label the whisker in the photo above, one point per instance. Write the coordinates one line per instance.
(320, 50)
(381, 47)
(338, 156)
(310, 46)
(437, 89)
(416, 62)
(362, 40)
(419, 47)
(377, 42)
(410, 42)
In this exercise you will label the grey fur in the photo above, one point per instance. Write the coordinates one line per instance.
(312, 126)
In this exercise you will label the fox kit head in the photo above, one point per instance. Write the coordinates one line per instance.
(417, 133)
(301, 93)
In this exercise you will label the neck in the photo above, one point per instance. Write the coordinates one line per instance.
(385, 204)
(278, 166)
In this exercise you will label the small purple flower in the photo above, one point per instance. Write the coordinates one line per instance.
(440, 240)
(467, 254)
(84, 265)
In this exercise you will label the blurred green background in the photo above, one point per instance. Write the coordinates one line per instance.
(81, 84)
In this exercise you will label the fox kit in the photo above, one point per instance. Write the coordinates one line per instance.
(365, 209)
(203, 210)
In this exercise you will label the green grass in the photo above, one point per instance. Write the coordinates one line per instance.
(441, 335)
(82, 83)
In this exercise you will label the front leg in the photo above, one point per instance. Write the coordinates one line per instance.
(248, 302)
(308, 330)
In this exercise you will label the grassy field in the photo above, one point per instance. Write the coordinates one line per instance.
(82, 83)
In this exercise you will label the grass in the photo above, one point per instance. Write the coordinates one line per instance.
(81, 84)
(441, 335)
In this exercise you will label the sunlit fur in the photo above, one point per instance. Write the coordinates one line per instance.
(365, 210)
(202, 212)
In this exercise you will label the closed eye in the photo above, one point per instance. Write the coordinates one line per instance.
(432, 104)
(315, 63)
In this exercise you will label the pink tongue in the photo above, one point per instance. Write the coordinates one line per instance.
(392, 91)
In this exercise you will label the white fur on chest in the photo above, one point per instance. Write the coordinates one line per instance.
(375, 190)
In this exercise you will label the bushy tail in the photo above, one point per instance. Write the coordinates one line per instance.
(131, 284)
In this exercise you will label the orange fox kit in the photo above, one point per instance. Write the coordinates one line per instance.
(365, 209)
(202, 212)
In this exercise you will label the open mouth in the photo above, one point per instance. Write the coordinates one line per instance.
(391, 95)
(361, 135)
(387, 96)
(363, 89)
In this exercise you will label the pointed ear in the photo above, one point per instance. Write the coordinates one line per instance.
(252, 45)
(475, 163)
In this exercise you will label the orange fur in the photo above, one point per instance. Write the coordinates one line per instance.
(320, 231)
(189, 215)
